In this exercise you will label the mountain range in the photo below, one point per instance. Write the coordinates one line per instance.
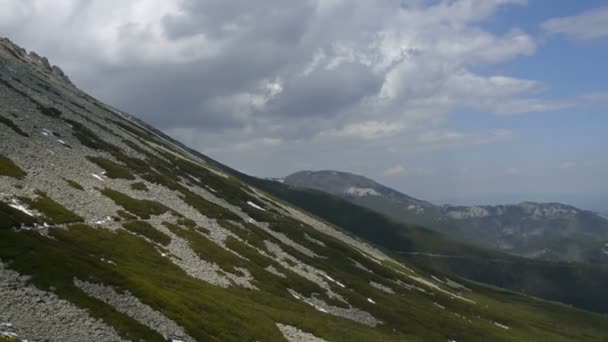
(113, 231)
(547, 231)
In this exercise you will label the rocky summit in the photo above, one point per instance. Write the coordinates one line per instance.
(111, 231)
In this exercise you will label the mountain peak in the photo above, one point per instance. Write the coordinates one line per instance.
(33, 58)
(345, 183)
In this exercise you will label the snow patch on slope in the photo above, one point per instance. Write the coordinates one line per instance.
(360, 192)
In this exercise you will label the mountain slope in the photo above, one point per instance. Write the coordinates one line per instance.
(110, 231)
(581, 285)
(547, 231)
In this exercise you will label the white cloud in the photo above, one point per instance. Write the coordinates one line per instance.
(399, 170)
(394, 171)
(447, 137)
(588, 25)
(317, 81)
(367, 130)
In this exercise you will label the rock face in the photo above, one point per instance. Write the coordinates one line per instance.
(33, 57)
(551, 231)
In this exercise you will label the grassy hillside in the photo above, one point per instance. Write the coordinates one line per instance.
(571, 283)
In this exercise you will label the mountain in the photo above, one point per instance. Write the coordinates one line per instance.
(547, 231)
(578, 284)
(112, 231)
(349, 185)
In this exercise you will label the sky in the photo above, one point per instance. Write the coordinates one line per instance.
(456, 101)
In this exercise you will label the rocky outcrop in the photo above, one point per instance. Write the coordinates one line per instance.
(33, 58)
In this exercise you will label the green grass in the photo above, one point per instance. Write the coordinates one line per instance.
(186, 222)
(53, 211)
(145, 229)
(207, 208)
(208, 313)
(125, 215)
(113, 170)
(10, 169)
(141, 208)
(9, 123)
(74, 184)
(140, 186)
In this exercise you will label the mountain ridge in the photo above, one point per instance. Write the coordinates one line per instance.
(549, 230)
(111, 231)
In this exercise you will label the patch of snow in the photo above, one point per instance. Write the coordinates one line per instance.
(439, 306)
(16, 205)
(381, 287)
(333, 280)
(360, 266)
(61, 141)
(437, 279)
(360, 192)
(415, 208)
(103, 221)
(320, 309)
(97, 176)
(371, 300)
(501, 325)
(108, 261)
(255, 206)
(329, 278)
(195, 179)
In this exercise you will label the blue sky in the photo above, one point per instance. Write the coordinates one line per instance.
(462, 101)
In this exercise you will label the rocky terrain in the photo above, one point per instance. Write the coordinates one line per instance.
(547, 231)
(110, 231)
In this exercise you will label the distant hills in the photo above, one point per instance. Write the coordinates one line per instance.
(112, 231)
(547, 231)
